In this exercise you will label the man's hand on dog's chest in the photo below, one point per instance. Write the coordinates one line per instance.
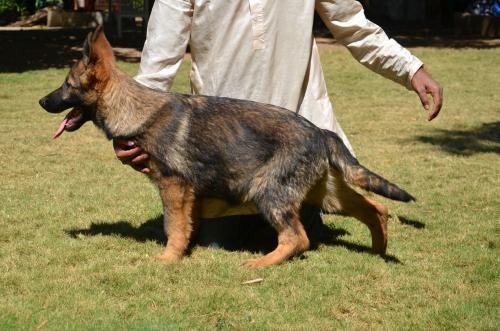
(128, 153)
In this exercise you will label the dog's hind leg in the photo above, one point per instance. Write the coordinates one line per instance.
(342, 199)
(178, 205)
(292, 238)
(372, 214)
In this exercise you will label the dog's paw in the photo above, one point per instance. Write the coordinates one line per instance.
(257, 263)
(250, 263)
(166, 257)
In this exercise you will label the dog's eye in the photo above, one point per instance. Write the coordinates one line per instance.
(67, 84)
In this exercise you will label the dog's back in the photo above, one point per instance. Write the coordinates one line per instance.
(227, 147)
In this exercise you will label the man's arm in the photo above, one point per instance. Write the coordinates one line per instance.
(369, 44)
(168, 34)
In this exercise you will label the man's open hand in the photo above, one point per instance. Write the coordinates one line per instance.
(128, 153)
(424, 85)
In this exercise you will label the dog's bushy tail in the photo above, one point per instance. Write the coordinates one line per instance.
(354, 173)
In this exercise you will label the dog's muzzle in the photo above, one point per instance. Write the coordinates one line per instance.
(55, 103)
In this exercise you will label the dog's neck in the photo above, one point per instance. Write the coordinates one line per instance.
(125, 106)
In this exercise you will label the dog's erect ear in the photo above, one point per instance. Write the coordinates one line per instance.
(97, 49)
(86, 48)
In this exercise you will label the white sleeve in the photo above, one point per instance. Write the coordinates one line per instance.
(167, 37)
(367, 42)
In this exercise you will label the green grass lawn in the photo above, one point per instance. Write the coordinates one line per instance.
(79, 230)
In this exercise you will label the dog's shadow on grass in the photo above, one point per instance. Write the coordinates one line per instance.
(253, 236)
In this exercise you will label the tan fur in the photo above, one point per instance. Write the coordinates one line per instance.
(340, 198)
(292, 241)
(176, 150)
(115, 93)
(178, 201)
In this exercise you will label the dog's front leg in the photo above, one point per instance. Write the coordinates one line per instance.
(178, 205)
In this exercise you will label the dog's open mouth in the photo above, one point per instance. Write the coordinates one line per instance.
(73, 121)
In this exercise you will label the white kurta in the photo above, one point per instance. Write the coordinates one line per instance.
(264, 50)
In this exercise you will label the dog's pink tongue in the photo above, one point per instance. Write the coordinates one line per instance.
(60, 130)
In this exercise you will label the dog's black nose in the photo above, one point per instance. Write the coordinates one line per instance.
(42, 102)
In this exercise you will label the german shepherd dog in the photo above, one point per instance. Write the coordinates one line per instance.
(215, 147)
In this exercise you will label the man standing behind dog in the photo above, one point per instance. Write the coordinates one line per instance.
(264, 50)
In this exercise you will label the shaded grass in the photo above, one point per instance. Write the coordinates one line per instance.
(79, 229)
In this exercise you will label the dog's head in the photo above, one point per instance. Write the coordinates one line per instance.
(83, 84)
